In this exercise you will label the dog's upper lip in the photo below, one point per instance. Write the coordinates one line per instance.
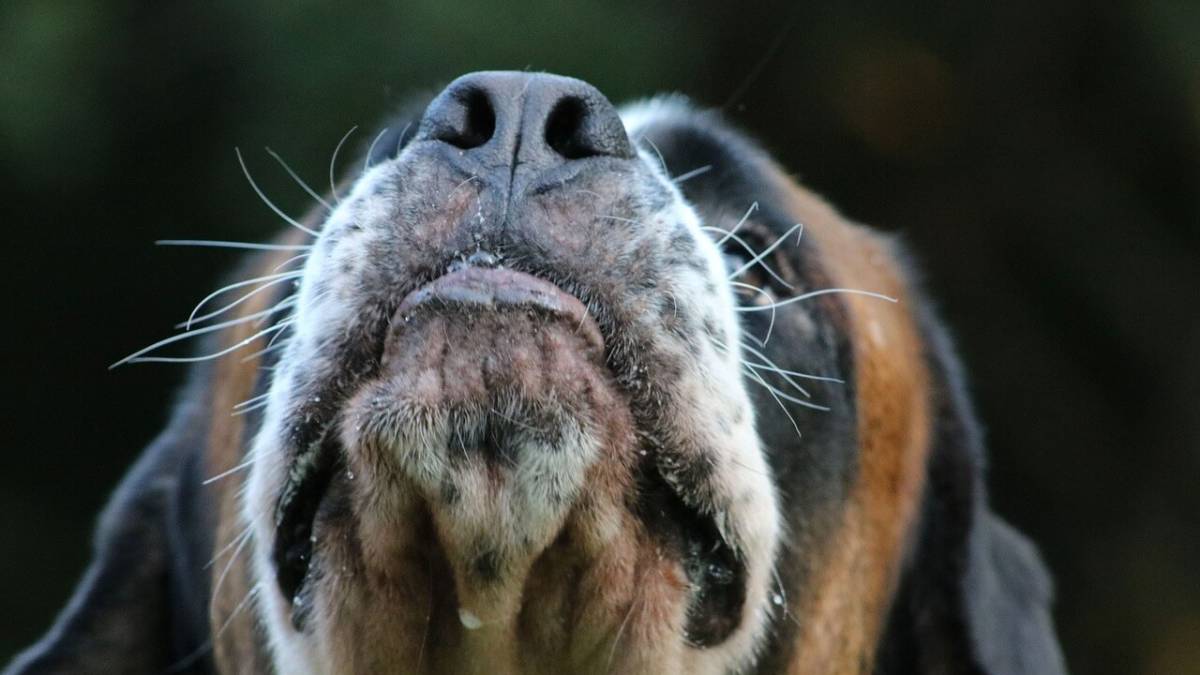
(498, 287)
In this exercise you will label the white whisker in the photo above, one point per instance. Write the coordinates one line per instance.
(229, 472)
(191, 334)
(207, 357)
(272, 341)
(746, 216)
(250, 595)
(612, 652)
(400, 139)
(661, 160)
(793, 373)
(249, 409)
(753, 254)
(771, 366)
(271, 347)
(286, 303)
(299, 181)
(771, 390)
(210, 243)
(333, 164)
(289, 261)
(233, 559)
(691, 174)
(621, 220)
(770, 298)
(371, 150)
(252, 401)
(766, 251)
(266, 281)
(767, 362)
(813, 294)
(266, 200)
(227, 547)
(783, 394)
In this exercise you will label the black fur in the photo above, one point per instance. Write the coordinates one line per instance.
(142, 605)
(974, 597)
(152, 550)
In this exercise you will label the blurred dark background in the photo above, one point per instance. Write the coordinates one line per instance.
(1040, 157)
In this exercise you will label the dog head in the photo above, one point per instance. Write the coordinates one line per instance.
(567, 389)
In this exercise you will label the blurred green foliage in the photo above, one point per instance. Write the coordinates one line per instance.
(1040, 158)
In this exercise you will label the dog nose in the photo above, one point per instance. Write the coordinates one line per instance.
(526, 121)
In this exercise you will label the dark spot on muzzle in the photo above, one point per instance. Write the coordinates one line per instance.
(716, 571)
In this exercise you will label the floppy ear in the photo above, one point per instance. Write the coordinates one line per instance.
(132, 612)
(1008, 596)
(974, 596)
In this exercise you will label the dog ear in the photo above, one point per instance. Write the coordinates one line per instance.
(132, 612)
(974, 597)
(1007, 597)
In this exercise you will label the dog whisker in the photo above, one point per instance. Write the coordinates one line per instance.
(766, 361)
(250, 596)
(138, 358)
(792, 373)
(229, 472)
(753, 254)
(191, 334)
(272, 346)
(770, 298)
(772, 392)
(333, 164)
(252, 401)
(766, 251)
(400, 139)
(371, 149)
(286, 303)
(661, 160)
(251, 246)
(245, 539)
(249, 409)
(299, 181)
(227, 547)
(289, 261)
(746, 216)
(813, 294)
(620, 219)
(266, 200)
(783, 394)
(612, 652)
(691, 174)
(266, 281)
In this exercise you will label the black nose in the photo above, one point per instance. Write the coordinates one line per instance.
(530, 121)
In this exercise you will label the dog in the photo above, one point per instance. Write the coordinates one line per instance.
(552, 387)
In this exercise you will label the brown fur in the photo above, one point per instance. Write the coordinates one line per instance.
(235, 646)
(857, 570)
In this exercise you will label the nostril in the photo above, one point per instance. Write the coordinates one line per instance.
(566, 130)
(477, 121)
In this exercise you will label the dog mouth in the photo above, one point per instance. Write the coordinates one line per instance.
(513, 305)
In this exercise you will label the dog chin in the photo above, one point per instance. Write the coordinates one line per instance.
(494, 422)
